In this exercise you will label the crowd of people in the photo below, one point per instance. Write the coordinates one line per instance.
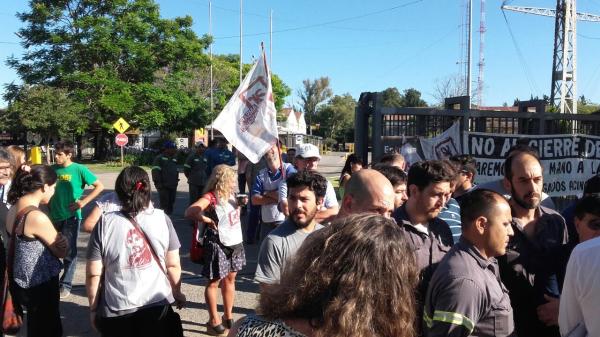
(401, 250)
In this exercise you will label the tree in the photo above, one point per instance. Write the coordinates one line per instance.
(337, 117)
(412, 98)
(109, 54)
(226, 81)
(450, 86)
(48, 111)
(392, 98)
(312, 94)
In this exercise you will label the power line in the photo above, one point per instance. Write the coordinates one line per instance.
(588, 37)
(326, 23)
(360, 46)
(448, 33)
(528, 75)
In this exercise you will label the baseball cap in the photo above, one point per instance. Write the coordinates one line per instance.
(169, 144)
(308, 151)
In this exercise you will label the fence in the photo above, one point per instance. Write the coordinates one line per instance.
(391, 127)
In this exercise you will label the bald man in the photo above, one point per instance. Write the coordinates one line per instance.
(368, 191)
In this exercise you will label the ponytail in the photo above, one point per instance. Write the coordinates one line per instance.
(133, 189)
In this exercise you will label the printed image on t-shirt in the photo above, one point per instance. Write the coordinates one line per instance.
(234, 217)
(137, 249)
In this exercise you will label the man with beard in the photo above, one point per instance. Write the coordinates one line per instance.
(531, 269)
(307, 159)
(306, 192)
(428, 236)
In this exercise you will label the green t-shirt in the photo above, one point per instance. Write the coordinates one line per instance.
(69, 188)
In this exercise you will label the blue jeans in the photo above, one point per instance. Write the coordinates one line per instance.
(70, 229)
(253, 222)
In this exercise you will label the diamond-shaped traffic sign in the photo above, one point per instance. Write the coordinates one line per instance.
(121, 125)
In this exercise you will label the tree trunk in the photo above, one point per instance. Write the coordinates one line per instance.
(79, 147)
(100, 148)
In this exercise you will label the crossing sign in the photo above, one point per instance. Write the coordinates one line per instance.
(121, 125)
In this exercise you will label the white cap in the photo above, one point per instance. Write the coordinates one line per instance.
(308, 151)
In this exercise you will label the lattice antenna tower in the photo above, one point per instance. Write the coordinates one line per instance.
(563, 93)
(481, 64)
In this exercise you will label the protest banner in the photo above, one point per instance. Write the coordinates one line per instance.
(568, 160)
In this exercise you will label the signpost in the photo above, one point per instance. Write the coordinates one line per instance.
(121, 139)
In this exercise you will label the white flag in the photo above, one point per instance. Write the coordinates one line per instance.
(248, 121)
(442, 146)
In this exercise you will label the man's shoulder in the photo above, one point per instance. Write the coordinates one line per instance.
(586, 247)
(552, 217)
(286, 228)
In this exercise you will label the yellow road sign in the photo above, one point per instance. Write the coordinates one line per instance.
(121, 125)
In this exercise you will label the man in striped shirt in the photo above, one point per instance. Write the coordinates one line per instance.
(450, 213)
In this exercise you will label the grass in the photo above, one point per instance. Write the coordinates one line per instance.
(107, 167)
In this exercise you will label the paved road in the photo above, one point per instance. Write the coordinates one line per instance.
(74, 309)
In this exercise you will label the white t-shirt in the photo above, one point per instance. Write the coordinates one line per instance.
(580, 298)
(329, 201)
(132, 277)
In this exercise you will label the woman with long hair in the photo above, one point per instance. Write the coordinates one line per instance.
(353, 164)
(133, 271)
(224, 257)
(34, 250)
(355, 278)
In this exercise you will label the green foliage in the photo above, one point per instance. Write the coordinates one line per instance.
(312, 94)
(409, 98)
(48, 111)
(392, 98)
(109, 54)
(225, 82)
(336, 118)
(119, 58)
(412, 98)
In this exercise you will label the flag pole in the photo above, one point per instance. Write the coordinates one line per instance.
(278, 142)
(271, 39)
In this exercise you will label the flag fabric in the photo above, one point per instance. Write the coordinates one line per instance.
(248, 121)
(443, 146)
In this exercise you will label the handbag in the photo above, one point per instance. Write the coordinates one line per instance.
(11, 312)
(172, 319)
(197, 245)
(12, 318)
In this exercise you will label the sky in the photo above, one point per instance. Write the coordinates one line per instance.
(373, 45)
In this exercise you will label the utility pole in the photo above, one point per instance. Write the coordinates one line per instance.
(210, 52)
(564, 66)
(469, 48)
(563, 93)
(482, 29)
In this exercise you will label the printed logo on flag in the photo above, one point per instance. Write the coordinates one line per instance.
(252, 98)
(446, 148)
